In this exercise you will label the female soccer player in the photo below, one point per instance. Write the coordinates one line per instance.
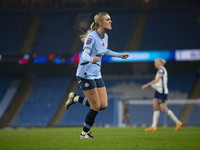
(89, 70)
(160, 97)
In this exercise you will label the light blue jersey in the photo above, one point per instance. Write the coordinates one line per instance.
(94, 45)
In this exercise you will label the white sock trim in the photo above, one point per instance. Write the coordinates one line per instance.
(84, 133)
(76, 99)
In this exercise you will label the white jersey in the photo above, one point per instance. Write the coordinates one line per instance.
(161, 85)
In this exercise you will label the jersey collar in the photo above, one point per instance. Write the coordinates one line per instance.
(99, 34)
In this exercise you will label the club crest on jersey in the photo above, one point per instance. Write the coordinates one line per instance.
(89, 40)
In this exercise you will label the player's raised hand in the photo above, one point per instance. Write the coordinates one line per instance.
(95, 59)
(125, 55)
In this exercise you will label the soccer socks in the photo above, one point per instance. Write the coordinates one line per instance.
(89, 120)
(156, 115)
(82, 100)
(172, 116)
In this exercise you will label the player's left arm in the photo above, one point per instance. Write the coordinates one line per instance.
(115, 54)
(152, 82)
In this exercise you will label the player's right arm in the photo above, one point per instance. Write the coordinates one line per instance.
(115, 54)
(89, 42)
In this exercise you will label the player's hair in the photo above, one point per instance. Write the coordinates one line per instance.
(98, 17)
(162, 61)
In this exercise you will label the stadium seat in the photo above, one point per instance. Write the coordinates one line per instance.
(119, 36)
(129, 87)
(13, 29)
(4, 85)
(170, 29)
(55, 34)
(194, 118)
(44, 100)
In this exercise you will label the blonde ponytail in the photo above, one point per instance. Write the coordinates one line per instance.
(84, 35)
(98, 17)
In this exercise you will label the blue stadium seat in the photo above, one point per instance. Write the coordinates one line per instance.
(119, 36)
(170, 29)
(13, 28)
(55, 34)
(143, 114)
(130, 87)
(140, 114)
(180, 85)
(194, 118)
(74, 116)
(127, 87)
(4, 85)
(44, 100)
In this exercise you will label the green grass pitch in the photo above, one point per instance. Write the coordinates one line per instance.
(188, 138)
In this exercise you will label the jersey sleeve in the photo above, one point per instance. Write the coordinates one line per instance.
(89, 42)
(161, 72)
(86, 55)
(113, 54)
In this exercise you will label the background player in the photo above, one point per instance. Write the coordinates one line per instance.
(89, 70)
(160, 97)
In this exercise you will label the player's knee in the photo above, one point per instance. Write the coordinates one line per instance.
(104, 106)
(96, 107)
(155, 108)
(164, 110)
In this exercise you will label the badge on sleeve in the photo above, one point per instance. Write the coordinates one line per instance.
(89, 40)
